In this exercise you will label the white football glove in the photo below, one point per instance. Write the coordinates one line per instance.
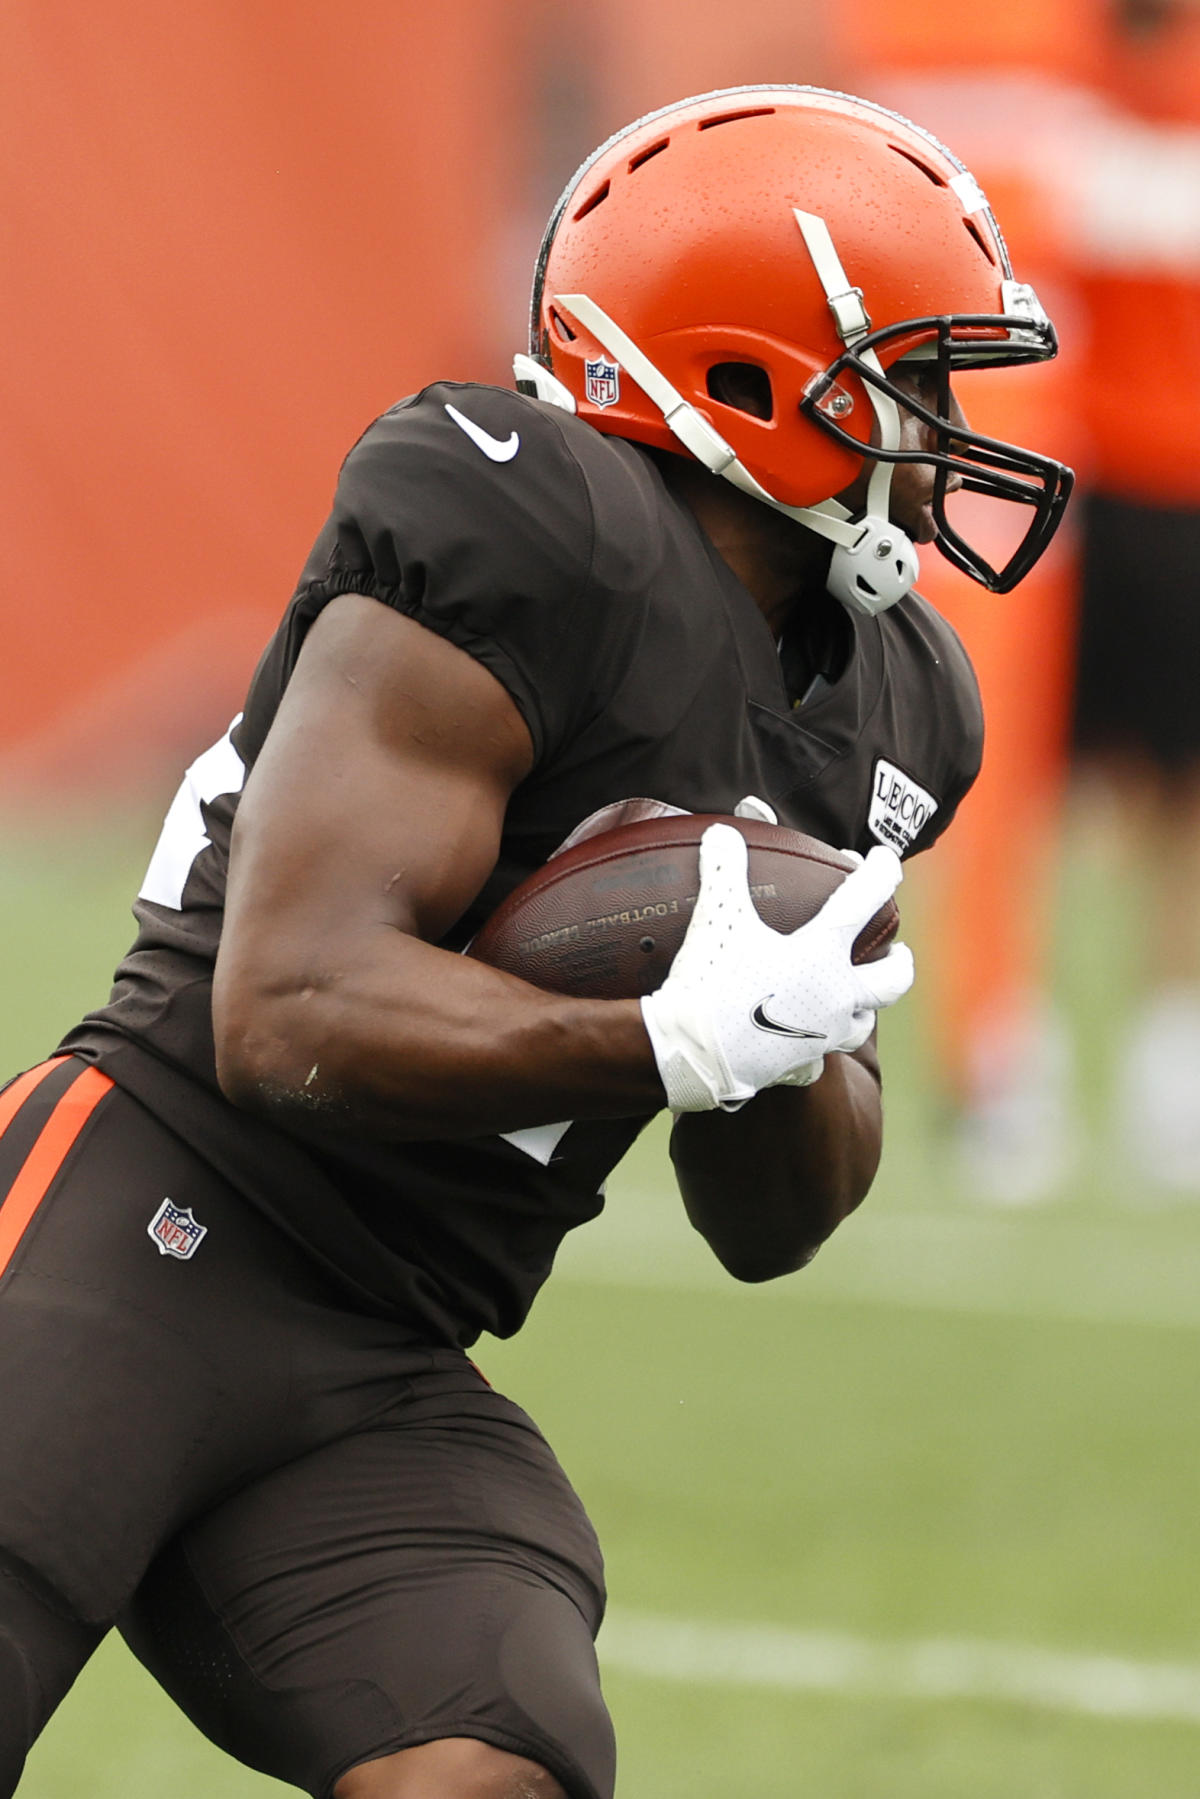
(745, 1007)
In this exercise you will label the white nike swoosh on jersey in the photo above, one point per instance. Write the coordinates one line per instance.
(491, 446)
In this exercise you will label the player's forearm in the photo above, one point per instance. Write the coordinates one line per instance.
(765, 1186)
(403, 1040)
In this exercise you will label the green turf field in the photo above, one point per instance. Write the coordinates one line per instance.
(921, 1522)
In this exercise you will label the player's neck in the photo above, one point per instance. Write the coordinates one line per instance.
(776, 560)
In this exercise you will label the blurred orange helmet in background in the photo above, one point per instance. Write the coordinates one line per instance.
(814, 241)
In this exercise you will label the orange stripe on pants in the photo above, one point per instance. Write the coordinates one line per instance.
(14, 1096)
(49, 1152)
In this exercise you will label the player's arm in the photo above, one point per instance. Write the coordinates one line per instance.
(371, 819)
(766, 1185)
(765, 1042)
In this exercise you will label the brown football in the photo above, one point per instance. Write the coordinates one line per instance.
(603, 918)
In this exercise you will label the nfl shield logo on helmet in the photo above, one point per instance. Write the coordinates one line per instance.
(603, 383)
(175, 1231)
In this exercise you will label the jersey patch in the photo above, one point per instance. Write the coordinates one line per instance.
(900, 807)
(175, 1231)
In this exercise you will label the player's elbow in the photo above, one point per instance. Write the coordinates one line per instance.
(249, 1067)
(259, 1052)
(754, 1262)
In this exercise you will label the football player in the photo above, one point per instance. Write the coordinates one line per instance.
(262, 1202)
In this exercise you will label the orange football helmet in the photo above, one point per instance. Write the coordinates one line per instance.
(817, 241)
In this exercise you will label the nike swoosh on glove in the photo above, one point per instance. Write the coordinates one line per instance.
(745, 1007)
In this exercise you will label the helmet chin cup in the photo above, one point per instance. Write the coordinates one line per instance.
(872, 574)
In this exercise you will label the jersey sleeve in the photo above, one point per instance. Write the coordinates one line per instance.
(468, 509)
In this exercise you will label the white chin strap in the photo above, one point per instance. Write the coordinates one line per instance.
(883, 565)
(874, 563)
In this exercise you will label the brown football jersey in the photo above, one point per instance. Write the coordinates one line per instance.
(643, 668)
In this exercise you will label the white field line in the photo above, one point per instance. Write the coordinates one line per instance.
(803, 1661)
(1018, 1266)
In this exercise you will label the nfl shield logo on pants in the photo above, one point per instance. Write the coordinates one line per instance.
(175, 1232)
(602, 386)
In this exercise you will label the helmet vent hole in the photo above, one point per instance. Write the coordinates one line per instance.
(635, 162)
(561, 327)
(981, 240)
(918, 163)
(593, 200)
(743, 387)
(727, 118)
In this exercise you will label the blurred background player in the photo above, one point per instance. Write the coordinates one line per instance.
(1083, 116)
(1014, 83)
(1136, 735)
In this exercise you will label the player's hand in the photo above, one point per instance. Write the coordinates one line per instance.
(745, 1007)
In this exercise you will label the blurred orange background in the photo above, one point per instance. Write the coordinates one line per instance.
(236, 233)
